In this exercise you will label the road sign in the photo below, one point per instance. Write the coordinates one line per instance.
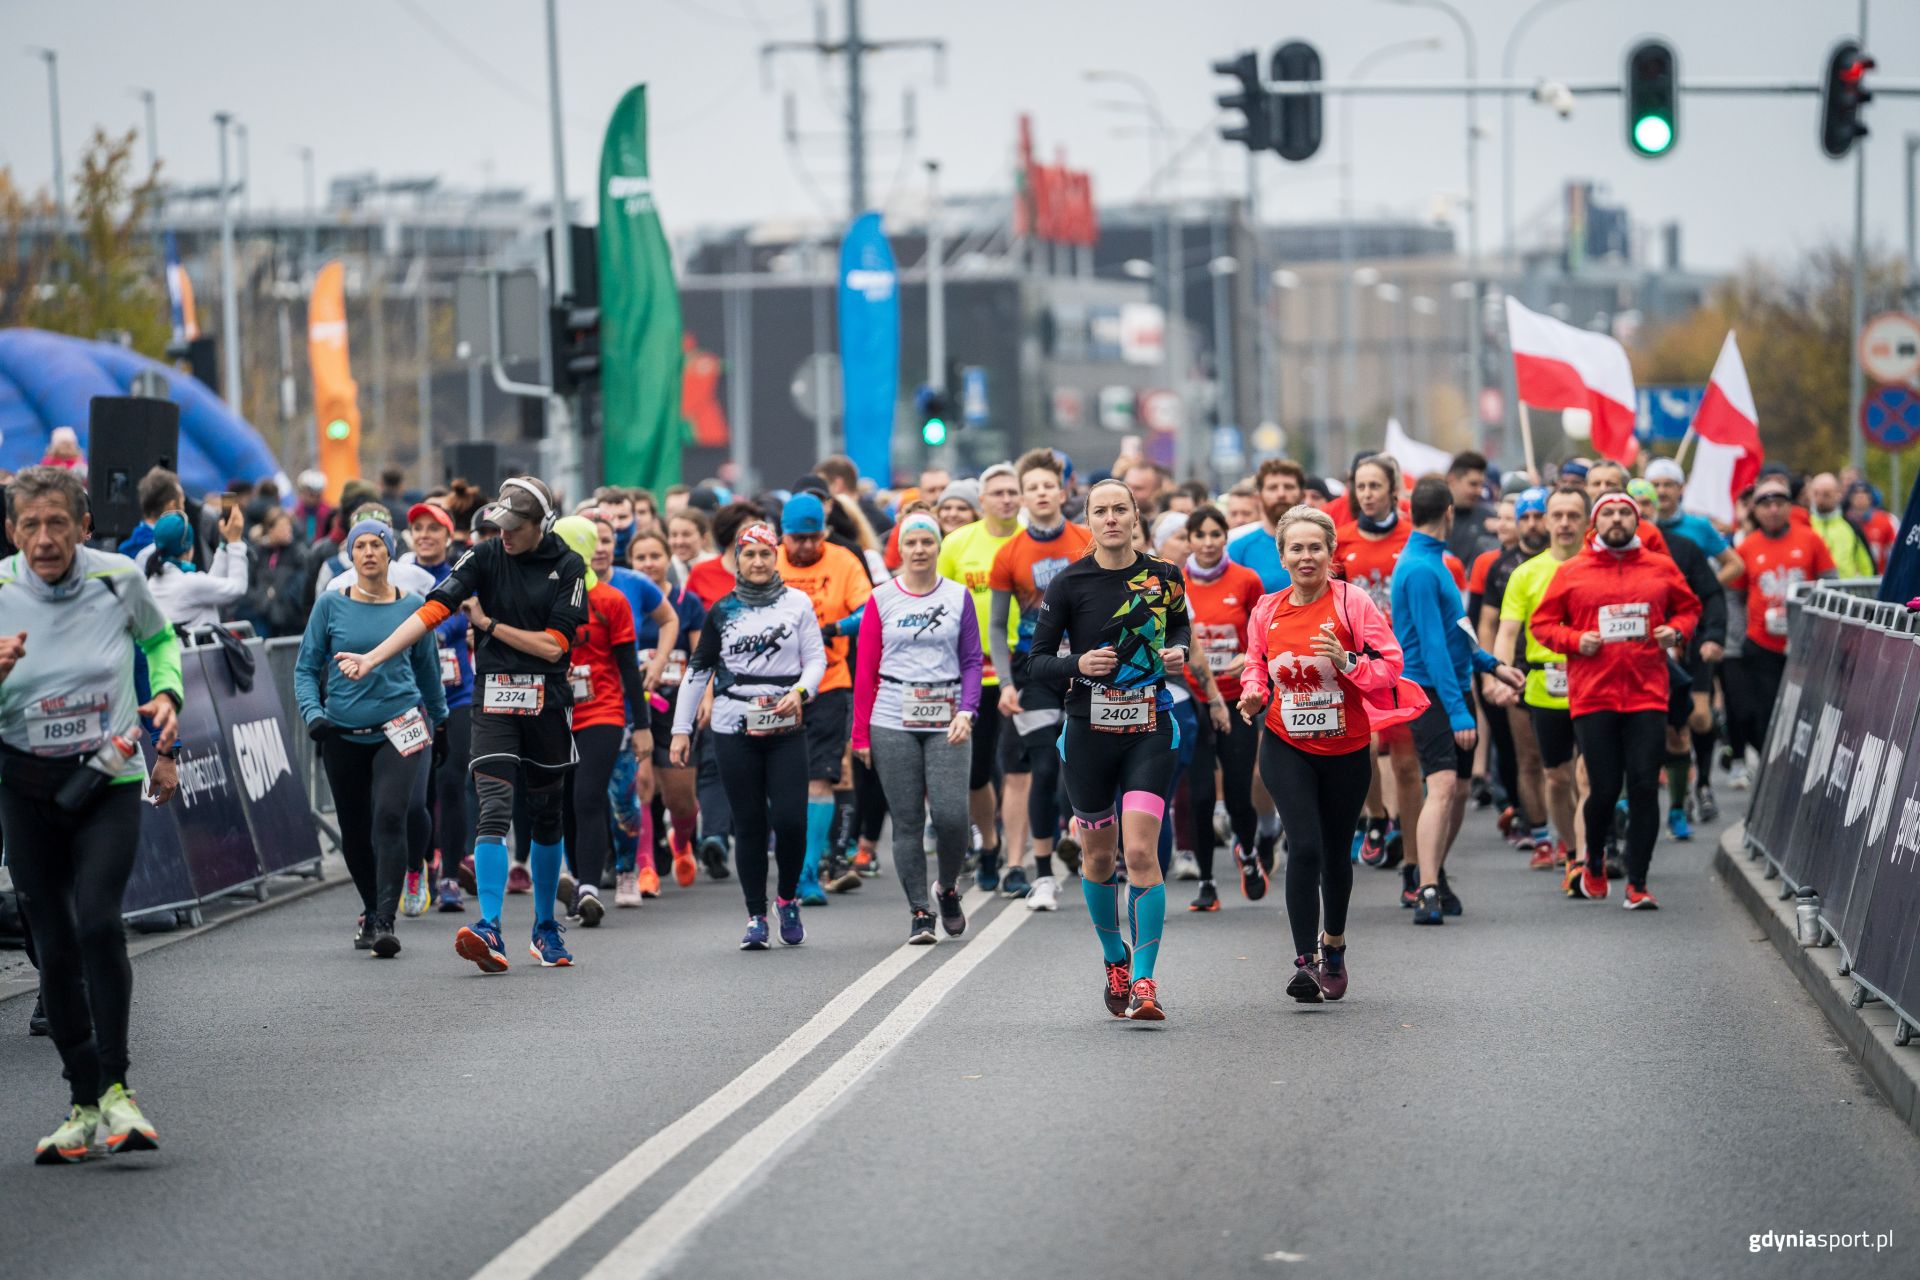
(1890, 347)
(1227, 454)
(1116, 408)
(1890, 418)
(1665, 413)
(973, 395)
(1161, 410)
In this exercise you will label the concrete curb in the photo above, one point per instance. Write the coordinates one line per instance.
(1867, 1032)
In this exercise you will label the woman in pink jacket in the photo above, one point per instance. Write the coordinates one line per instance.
(1323, 670)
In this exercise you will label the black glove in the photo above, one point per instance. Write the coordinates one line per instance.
(439, 745)
(320, 728)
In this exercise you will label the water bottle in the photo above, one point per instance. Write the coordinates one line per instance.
(1806, 913)
(104, 764)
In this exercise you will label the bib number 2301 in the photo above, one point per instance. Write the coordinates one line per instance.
(1623, 622)
(1121, 710)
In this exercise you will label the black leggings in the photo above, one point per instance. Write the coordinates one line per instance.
(1506, 764)
(71, 870)
(1042, 747)
(1234, 750)
(1318, 798)
(373, 788)
(766, 781)
(1752, 683)
(870, 805)
(589, 808)
(449, 792)
(1627, 746)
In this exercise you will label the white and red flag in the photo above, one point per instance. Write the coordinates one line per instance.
(1558, 366)
(1726, 439)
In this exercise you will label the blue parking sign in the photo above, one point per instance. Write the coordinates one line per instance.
(1665, 413)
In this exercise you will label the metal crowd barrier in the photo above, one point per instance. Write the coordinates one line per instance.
(1835, 812)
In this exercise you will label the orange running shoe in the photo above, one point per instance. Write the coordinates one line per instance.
(1542, 859)
(649, 881)
(1639, 900)
(1570, 883)
(685, 869)
(1593, 884)
(1145, 1006)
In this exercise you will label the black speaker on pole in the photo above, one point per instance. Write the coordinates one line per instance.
(478, 462)
(127, 436)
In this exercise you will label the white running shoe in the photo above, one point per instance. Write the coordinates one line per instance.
(1222, 824)
(1737, 776)
(1045, 895)
(1185, 865)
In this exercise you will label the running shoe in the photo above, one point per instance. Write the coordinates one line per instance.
(363, 932)
(37, 1024)
(1639, 900)
(1737, 776)
(564, 893)
(1560, 854)
(1253, 874)
(840, 875)
(1373, 845)
(685, 868)
(1067, 849)
(1450, 902)
(386, 943)
(626, 889)
(1359, 844)
(1331, 972)
(587, 908)
(1572, 883)
(1119, 983)
(792, 932)
(1208, 898)
(413, 898)
(1427, 909)
(1482, 792)
(1045, 895)
(481, 943)
(1145, 1004)
(986, 875)
(952, 918)
(519, 879)
(547, 948)
(1185, 865)
(1542, 859)
(1616, 869)
(713, 856)
(811, 894)
(1015, 884)
(648, 881)
(1302, 986)
(72, 1142)
(1704, 805)
(920, 930)
(758, 936)
(451, 898)
(866, 862)
(1409, 885)
(1505, 821)
(1264, 845)
(128, 1128)
(1677, 825)
(464, 874)
(1396, 844)
(1593, 885)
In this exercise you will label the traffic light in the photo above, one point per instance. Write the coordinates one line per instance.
(1256, 131)
(1844, 93)
(1653, 98)
(576, 347)
(936, 412)
(336, 410)
(1296, 127)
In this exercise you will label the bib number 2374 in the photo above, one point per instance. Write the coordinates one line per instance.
(514, 695)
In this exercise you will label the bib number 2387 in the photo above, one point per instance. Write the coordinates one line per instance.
(514, 695)
(1121, 710)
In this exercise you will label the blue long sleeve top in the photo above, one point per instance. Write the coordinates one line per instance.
(360, 707)
(1431, 625)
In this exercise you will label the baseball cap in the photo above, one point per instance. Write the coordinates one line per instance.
(810, 483)
(430, 511)
(803, 514)
(519, 503)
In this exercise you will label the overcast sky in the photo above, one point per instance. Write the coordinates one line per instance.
(457, 88)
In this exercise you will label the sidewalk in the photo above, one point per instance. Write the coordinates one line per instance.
(1868, 1032)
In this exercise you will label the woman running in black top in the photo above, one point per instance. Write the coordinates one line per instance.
(1124, 617)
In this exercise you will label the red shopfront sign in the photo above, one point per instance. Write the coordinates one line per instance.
(1056, 203)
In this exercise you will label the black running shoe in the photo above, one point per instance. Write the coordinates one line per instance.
(363, 934)
(1303, 987)
(1208, 898)
(1449, 900)
(37, 1024)
(952, 918)
(1264, 845)
(920, 930)
(386, 944)
(1409, 884)
(587, 908)
(713, 856)
(1427, 910)
(1068, 851)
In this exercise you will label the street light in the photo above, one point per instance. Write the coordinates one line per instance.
(313, 218)
(153, 129)
(52, 59)
(229, 295)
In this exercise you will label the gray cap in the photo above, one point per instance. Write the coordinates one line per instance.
(967, 491)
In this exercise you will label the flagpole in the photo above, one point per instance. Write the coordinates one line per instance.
(1680, 454)
(1526, 438)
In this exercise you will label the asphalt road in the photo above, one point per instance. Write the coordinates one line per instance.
(1541, 1087)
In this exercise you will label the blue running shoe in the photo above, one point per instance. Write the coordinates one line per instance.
(451, 899)
(988, 875)
(1359, 843)
(1678, 826)
(547, 948)
(759, 937)
(481, 943)
(792, 932)
(1015, 885)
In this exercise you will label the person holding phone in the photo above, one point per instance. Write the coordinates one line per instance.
(188, 597)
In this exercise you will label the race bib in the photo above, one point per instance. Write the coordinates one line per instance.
(1776, 620)
(1556, 676)
(1221, 653)
(69, 726)
(582, 680)
(928, 706)
(449, 667)
(1114, 710)
(764, 722)
(672, 671)
(1322, 714)
(513, 695)
(408, 733)
(1623, 622)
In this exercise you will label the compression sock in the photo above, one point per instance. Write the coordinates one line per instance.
(490, 877)
(1103, 908)
(819, 824)
(1703, 755)
(846, 819)
(644, 844)
(1677, 766)
(1147, 913)
(544, 862)
(1042, 865)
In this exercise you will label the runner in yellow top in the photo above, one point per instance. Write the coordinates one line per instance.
(966, 557)
(1545, 695)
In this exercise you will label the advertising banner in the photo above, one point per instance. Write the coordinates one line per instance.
(209, 812)
(253, 729)
(1882, 707)
(159, 878)
(869, 346)
(1805, 858)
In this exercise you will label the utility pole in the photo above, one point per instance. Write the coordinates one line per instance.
(52, 60)
(313, 215)
(246, 165)
(1262, 290)
(560, 423)
(936, 296)
(229, 287)
(854, 48)
(153, 128)
(1856, 376)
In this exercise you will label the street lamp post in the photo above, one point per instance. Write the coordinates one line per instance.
(313, 216)
(229, 287)
(52, 59)
(559, 412)
(153, 128)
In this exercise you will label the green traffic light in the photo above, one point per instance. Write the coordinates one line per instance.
(339, 429)
(1652, 134)
(934, 431)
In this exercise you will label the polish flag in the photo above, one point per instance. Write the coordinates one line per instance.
(1557, 366)
(1726, 439)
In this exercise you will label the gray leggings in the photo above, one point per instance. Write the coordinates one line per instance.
(918, 771)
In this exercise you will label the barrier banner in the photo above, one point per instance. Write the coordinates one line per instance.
(159, 878)
(209, 811)
(1874, 735)
(1779, 771)
(254, 730)
(1884, 958)
(1804, 859)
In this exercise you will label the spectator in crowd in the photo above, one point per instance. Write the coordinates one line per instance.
(190, 598)
(1866, 515)
(312, 517)
(1851, 555)
(277, 602)
(63, 450)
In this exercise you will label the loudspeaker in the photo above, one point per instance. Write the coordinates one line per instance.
(478, 462)
(127, 436)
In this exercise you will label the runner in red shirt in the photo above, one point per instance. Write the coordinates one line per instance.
(1777, 554)
(1369, 547)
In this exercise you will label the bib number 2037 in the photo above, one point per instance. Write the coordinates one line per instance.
(1113, 710)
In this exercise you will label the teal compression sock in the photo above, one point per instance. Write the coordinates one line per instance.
(1147, 912)
(1103, 908)
(544, 863)
(490, 877)
(819, 825)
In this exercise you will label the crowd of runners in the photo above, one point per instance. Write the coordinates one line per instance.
(1030, 679)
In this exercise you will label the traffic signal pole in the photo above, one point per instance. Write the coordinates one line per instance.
(1857, 376)
(937, 302)
(562, 429)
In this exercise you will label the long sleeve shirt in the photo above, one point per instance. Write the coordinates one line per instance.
(195, 599)
(908, 642)
(1138, 611)
(749, 652)
(1625, 596)
(1441, 651)
(360, 707)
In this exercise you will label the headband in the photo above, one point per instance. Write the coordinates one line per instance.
(757, 533)
(920, 520)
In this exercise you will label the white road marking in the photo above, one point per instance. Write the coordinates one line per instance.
(526, 1257)
(674, 1223)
